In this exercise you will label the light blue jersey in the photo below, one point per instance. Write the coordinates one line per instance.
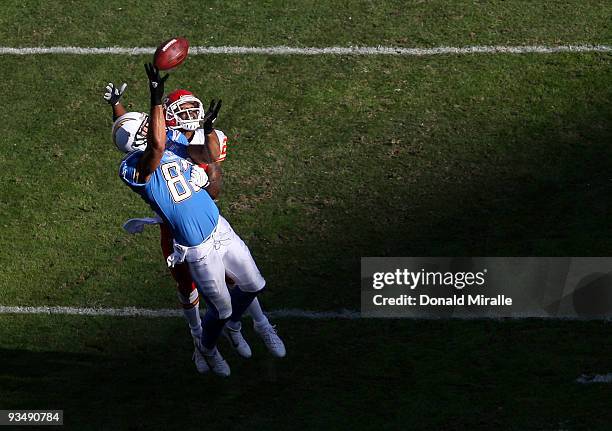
(177, 143)
(189, 210)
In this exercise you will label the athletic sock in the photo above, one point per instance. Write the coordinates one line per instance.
(191, 311)
(195, 322)
(255, 311)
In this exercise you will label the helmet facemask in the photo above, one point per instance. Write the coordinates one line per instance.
(186, 112)
(140, 140)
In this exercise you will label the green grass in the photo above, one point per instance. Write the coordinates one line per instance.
(106, 372)
(306, 23)
(330, 159)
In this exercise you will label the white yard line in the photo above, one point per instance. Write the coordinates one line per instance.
(332, 50)
(165, 312)
(280, 313)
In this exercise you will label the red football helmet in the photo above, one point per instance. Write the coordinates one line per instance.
(183, 110)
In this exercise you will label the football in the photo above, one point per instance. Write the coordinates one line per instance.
(171, 53)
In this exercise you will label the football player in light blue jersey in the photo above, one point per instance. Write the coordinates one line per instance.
(203, 239)
(189, 211)
(179, 107)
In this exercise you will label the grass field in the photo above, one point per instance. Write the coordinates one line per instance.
(131, 374)
(331, 158)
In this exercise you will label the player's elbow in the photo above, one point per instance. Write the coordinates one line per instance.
(214, 190)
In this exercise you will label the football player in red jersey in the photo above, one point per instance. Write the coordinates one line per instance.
(183, 114)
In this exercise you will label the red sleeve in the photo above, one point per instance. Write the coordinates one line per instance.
(223, 150)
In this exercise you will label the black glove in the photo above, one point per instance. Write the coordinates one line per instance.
(156, 84)
(210, 116)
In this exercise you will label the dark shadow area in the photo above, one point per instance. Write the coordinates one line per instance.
(420, 374)
(550, 196)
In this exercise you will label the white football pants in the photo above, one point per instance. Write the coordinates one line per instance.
(223, 252)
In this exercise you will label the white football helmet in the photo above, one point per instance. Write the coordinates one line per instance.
(130, 132)
(179, 115)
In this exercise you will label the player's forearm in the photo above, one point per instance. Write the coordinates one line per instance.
(156, 134)
(118, 111)
(207, 153)
(199, 154)
(213, 145)
(156, 141)
(215, 179)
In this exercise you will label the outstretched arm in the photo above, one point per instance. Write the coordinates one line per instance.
(156, 133)
(112, 96)
(118, 111)
(210, 152)
(207, 153)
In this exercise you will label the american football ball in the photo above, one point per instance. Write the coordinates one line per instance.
(171, 53)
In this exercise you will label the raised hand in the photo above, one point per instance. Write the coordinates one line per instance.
(210, 116)
(156, 83)
(113, 94)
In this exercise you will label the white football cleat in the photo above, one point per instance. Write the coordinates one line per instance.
(237, 341)
(217, 364)
(268, 334)
(199, 361)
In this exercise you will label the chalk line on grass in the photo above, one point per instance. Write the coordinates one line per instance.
(332, 50)
(166, 312)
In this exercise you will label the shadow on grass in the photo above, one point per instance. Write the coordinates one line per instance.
(547, 192)
(395, 374)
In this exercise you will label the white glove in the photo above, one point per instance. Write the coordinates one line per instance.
(113, 94)
(199, 178)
